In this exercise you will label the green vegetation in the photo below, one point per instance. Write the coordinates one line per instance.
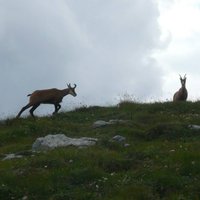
(162, 160)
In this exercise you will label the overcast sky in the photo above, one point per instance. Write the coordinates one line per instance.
(109, 48)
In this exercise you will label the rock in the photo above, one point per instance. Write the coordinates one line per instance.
(117, 121)
(101, 123)
(12, 156)
(195, 127)
(60, 140)
(20, 154)
(25, 198)
(119, 138)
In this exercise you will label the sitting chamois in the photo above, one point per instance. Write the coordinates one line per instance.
(181, 94)
(50, 96)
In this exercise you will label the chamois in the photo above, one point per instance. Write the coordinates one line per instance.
(49, 96)
(181, 94)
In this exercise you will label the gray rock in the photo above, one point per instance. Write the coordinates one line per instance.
(117, 121)
(126, 145)
(195, 127)
(60, 140)
(12, 156)
(99, 123)
(21, 154)
(119, 138)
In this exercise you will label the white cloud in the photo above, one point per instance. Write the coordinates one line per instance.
(181, 19)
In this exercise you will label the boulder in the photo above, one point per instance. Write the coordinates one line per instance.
(60, 140)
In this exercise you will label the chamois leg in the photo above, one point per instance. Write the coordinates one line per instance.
(33, 108)
(57, 107)
(23, 109)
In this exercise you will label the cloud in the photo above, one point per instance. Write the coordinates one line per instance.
(103, 46)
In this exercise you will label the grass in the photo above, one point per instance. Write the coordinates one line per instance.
(162, 160)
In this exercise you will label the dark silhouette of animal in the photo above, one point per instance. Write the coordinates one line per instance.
(49, 96)
(181, 94)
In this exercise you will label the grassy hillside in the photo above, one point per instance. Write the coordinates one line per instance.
(162, 160)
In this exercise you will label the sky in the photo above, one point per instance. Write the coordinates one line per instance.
(112, 50)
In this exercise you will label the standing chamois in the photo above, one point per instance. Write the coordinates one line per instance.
(49, 96)
(181, 94)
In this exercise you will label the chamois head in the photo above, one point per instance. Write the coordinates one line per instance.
(181, 94)
(183, 80)
(72, 89)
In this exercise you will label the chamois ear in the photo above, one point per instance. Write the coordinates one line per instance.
(69, 85)
(185, 76)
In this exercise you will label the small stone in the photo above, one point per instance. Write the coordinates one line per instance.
(12, 156)
(25, 198)
(119, 138)
(195, 127)
(117, 121)
(99, 123)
